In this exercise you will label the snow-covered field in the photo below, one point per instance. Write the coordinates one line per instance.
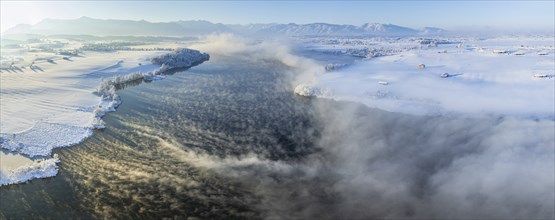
(51, 102)
(511, 76)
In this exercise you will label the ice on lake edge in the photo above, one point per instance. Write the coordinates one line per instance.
(40, 168)
(44, 136)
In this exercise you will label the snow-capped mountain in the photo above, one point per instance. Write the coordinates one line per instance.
(310, 29)
(390, 29)
(105, 27)
(432, 31)
(91, 26)
(109, 27)
(325, 29)
(201, 27)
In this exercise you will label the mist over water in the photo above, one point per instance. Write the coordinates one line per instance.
(229, 139)
(376, 164)
(163, 148)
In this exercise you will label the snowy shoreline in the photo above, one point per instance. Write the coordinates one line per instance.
(74, 127)
(179, 59)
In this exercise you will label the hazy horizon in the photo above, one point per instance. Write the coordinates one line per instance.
(458, 15)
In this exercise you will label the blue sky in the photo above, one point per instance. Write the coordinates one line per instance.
(505, 15)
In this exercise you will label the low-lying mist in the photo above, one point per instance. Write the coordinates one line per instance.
(229, 139)
(276, 49)
(376, 164)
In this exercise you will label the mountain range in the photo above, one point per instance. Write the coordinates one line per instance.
(109, 27)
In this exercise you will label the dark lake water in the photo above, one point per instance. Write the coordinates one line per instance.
(228, 139)
(135, 168)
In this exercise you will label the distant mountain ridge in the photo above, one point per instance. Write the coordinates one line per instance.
(91, 26)
(109, 27)
(368, 29)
